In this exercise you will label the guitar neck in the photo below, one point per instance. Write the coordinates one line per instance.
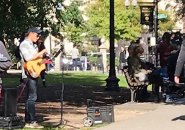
(57, 53)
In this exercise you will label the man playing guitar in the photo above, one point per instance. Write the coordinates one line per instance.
(29, 52)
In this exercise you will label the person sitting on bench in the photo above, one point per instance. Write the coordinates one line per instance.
(136, 68)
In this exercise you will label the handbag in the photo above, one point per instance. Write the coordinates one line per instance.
(142, 75)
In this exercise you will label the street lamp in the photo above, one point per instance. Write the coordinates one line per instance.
(127, 3)
(112, 80)
(156, 27)
(149, 16)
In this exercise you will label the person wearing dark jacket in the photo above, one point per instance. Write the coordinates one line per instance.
(41, 46)
(180, 63)
(171, 64)
(122, 58)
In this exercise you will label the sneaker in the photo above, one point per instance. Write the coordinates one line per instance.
(169, 99)
(33, 125)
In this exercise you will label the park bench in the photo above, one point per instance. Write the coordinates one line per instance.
(135, 85)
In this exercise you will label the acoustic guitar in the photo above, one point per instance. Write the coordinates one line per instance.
(35, 67)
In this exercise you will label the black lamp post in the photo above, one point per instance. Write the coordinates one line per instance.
(112, 80)
(156, 27)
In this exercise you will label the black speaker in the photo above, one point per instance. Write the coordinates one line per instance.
(9, 102)
(101, 114)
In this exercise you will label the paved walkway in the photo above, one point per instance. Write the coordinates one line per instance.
(158, 117)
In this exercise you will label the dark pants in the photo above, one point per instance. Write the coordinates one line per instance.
(75, 63)
(0, 89)
(31, 97)
(156, 80)
(43, 77)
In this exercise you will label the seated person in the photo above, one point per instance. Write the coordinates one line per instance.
(137, 68)
(145, 64)
(135, 64)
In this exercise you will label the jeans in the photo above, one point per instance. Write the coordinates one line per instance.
(31, 97)
(75, 64)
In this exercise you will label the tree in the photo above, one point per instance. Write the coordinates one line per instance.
(181, 11)
(73, 22)
(127, 24)
(166, 24)
(16, 16)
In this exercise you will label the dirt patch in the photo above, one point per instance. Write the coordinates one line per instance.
(75, 104)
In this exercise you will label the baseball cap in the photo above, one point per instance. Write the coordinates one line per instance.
(35, 30)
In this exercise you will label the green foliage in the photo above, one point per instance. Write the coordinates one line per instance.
(12, 15)
(16, 16)
(72, 14)
(74, 33)
(127, 24)
(166, 24)
(98, 14)
(93, 60)
(74, 25)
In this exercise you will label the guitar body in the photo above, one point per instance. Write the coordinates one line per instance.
(35, 67)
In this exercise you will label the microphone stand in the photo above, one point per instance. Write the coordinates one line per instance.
(62, 123)
(62, 99)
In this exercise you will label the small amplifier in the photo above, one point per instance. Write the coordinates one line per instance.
(100, 114)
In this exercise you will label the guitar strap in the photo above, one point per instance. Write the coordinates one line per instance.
(57, 52)
(22, 90)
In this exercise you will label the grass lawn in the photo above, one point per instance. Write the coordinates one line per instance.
(69, 78)
(83, 78)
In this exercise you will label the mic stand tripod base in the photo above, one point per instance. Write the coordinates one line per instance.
(62, 124)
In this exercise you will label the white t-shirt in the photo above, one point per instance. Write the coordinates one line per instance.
(75, 53)
(27, 52)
